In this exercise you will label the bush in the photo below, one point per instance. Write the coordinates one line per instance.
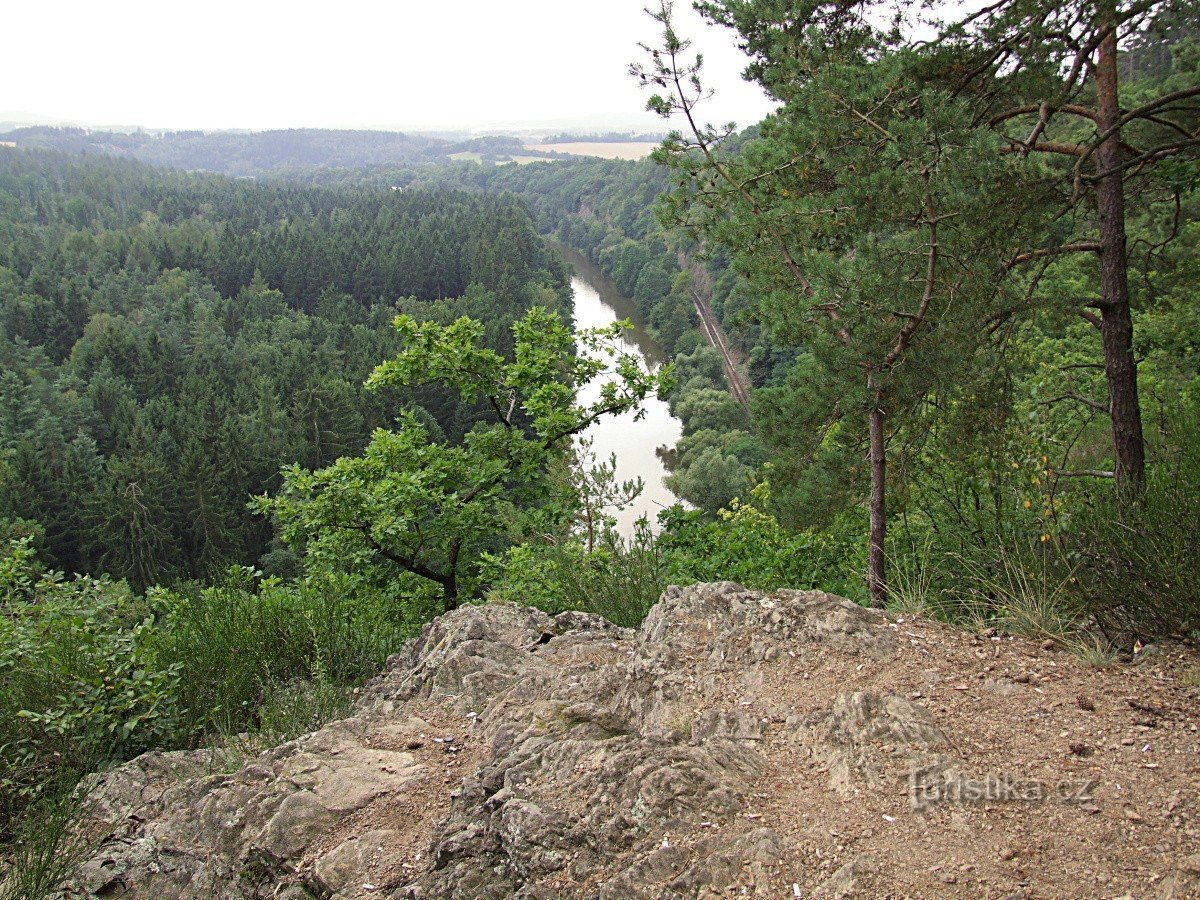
(619, 580)
(1062, 557)
(82, 675)
(47, 848)
(1139, 572)
(751, 547)
(93, 674)
(237, 643)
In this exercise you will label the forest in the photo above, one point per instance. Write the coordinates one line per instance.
(292, 152)
(255, 432)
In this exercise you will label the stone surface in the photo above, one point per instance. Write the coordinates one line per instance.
(738, 743)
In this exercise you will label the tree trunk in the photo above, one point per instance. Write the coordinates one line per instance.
(450, 593)
(876, 575)
(1116, 328)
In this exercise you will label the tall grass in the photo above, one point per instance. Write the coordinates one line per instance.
(1140, 572)
(911, 580)
(48, 846)
(1022, 590)
(239, 645)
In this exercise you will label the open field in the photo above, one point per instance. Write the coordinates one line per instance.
(604, 149)
(470, 155)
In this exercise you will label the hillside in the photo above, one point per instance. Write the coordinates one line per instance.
(738, 743)
(266, 153)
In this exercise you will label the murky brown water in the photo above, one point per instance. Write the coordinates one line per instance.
(597, 303)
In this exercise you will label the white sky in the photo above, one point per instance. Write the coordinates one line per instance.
(351, 64)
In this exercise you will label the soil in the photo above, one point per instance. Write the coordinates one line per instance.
(738, 744)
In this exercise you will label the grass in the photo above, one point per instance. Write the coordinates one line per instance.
(245, 650)
(621, 582)
(47, 849)
(289, 710)
(1093, 651)
(1027, 593)
(911, 589)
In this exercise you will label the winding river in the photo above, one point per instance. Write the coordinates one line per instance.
(635, 444)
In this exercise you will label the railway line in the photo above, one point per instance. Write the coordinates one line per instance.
(712, 332)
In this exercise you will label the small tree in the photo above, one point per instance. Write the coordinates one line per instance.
(598, 493)
(427, 507)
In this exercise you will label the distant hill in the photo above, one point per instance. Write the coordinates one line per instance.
(244, 153)
(274, 153)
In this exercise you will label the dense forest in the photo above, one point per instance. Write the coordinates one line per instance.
(171, 341)
(253, 433)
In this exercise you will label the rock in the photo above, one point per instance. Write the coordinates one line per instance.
(734, 724)
(349, 864)
(848, 880)
(849, 737)
(508, 754)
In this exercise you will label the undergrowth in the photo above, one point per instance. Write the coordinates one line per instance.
(48, 846)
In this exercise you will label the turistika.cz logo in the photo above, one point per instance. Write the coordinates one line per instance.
(939, 783)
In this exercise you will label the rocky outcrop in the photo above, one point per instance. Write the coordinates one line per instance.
(510, 754)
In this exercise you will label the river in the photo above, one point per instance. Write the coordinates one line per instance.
(635, 444)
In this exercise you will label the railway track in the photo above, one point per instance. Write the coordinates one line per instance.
(712, 332)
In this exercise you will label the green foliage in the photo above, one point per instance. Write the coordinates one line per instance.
(83, 677)
(47, 847)
(598, 496)
(749, 545)
(430, 509)
(618, 579)
(242, 642)
(163, 355)
(1139, 572)
(708, 409)
(709, 477)
(94, 675)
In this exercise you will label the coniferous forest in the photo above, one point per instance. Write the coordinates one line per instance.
(172, 341)
(256, 431)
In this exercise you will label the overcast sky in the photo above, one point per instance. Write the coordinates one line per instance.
(351, 64)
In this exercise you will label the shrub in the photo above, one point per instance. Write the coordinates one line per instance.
(750, 546)
(82, 675)
(93, 674)
(1140, 570)
(47, 847)
(238, 642)
(619, 580)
